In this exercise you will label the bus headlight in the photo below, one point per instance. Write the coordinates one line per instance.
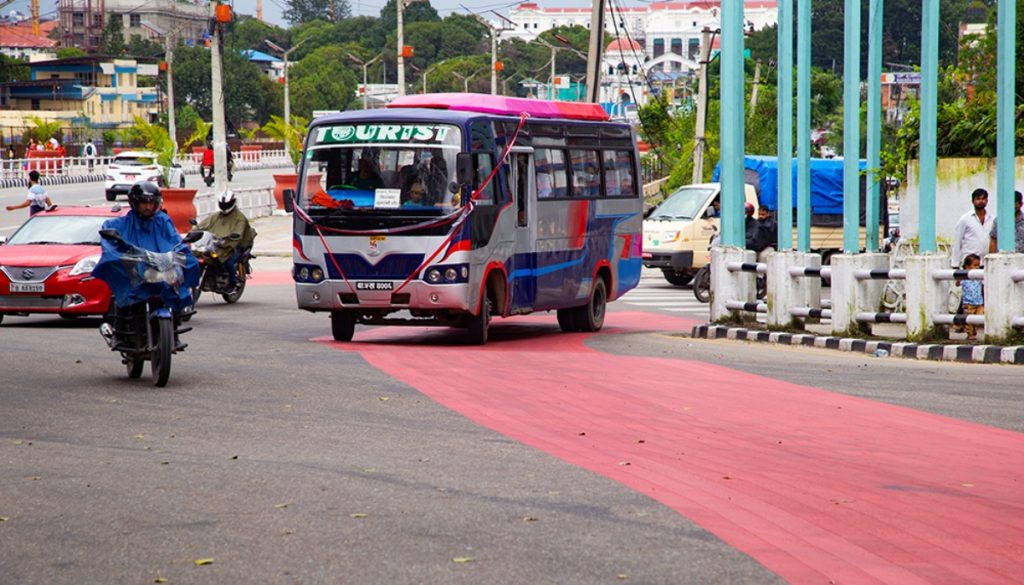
(465, 272)
(316, 275)
(433, 276)
(304, 273)
(450, 274)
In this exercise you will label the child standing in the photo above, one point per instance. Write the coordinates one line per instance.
(973, 297)
(37, 199)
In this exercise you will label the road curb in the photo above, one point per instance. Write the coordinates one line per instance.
(982, 354)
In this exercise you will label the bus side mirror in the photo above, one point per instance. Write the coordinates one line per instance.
(464, 168)
(289, 200)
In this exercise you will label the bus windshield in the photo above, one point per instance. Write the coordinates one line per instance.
(407, 167)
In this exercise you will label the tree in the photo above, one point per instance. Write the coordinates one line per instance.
(70, 52)
(112, 41)
(140, 48)
(299, 11)
(322, 81)
(247, 92)
(249, 34)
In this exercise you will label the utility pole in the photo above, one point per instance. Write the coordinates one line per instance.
(702, 107)
(220, 157)
(400, 9)
(753, 90)
(594, 54)
(495, 31)
(365, 65)
(259, 10)
(169, 54)
(284, 55)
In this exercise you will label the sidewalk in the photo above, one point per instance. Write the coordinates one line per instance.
(274, 235)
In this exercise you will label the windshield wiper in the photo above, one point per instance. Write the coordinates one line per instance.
(669, 217)
(85, 243)
(43, 242)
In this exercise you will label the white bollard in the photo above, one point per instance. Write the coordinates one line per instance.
(730, 286)
(1004, 298)
(786, 291)
(851, 296)
(925, 295)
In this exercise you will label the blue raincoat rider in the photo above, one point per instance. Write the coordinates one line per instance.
(145, 226)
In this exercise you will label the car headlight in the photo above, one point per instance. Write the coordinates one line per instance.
(85, 265)
(111, 178)
(152, 179)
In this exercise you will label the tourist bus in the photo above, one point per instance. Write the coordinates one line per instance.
(453, 209)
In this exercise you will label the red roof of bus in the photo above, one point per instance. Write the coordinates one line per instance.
(496, 104)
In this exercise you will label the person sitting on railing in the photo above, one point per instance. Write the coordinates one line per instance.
(973, 295)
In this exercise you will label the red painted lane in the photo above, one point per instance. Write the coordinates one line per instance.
(262, 277)
(816, 486)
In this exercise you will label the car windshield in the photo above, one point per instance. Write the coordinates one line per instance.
(388, 167)
(59, 229)
(684, 203)
(134, 161)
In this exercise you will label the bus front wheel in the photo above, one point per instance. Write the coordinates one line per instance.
(343, 325)
(567, 320)
(478, 323)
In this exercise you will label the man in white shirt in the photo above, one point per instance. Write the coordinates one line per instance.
(972, 232)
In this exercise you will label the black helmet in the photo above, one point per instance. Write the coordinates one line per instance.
(144, 192)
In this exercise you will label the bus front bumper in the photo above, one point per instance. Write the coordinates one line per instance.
(332, 295)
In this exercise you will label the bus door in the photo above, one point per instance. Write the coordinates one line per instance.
(524, 258)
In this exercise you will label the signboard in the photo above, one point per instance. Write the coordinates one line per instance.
(428, 133)
(902, 78)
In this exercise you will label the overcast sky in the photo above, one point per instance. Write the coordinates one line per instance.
(272, 9)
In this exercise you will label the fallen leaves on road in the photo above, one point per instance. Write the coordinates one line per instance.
(463, 560)
(357, 515)
(201, 562)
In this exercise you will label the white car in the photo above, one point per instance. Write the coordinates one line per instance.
(131, 166)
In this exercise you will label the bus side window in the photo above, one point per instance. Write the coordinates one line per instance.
(586, 174)
(483, 170)
(618, 174)
(550, 173)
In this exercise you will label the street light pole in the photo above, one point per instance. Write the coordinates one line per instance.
(287, 104)
(365, 66)
(400, 8)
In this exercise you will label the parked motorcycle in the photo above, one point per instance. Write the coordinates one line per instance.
(148, 330)
(212, 252)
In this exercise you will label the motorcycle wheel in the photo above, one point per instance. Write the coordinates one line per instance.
(134, 368)
(233, 296)
(702, 284)
(161, 359)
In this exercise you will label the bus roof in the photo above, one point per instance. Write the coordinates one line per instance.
(502, 105)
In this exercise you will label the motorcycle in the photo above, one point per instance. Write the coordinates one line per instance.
(212, 253)
(206, 169)
(148, 330)
(702, 279)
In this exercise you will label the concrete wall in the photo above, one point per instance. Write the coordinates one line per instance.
(956, 178)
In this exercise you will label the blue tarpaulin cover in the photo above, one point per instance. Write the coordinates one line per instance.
(826, 182)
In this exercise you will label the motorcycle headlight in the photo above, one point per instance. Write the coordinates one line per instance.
(85, 265)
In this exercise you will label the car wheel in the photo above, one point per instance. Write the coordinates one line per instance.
(181, 183)
(676, 278)
(111, 196)
(1, 317)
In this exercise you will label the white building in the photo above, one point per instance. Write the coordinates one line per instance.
(669, 32)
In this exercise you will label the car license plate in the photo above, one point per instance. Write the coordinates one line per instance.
(371, 285)
(130, 177)
(27, 287)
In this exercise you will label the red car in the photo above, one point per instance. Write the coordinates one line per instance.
(46, 266)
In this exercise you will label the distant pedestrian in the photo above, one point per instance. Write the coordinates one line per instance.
(973, 295)
(89, 150)
(973, 231)
(37, 200)
(1018, 231)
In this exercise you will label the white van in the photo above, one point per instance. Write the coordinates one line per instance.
(677, 232)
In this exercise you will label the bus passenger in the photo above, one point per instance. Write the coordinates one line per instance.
(368, 178)
(414, 194)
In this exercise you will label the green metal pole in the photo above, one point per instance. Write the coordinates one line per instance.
(929, 118)
(851, 126)
(874, 122)
(803, 126)
(785, 130)
(1005, 84)
(732, 117)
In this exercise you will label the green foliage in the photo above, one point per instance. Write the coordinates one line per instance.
(322, 81)
(41, 130)
(249, 34)
(140, 48)
(246, 95)
(112, 41)
(159, 141)
(186, 118)
(70, 52)
(12, 69)
(299, 11)
(292, 135)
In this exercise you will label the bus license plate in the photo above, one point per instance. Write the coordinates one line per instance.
(27, 288)
(370, 285)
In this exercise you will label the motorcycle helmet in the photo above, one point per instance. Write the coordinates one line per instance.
(226, 202)
(144, 192)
